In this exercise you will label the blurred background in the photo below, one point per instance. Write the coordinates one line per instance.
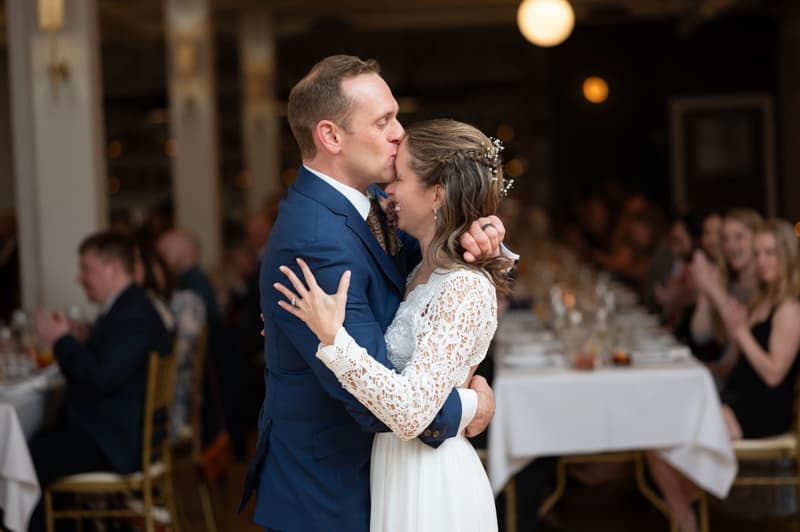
(182, 105)
(619, 119)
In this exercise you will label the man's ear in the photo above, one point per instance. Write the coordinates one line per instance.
(328, 136)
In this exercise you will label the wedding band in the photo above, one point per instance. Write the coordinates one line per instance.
(484, 226)
(294, 301)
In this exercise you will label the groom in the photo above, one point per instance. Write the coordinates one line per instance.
(311, 467)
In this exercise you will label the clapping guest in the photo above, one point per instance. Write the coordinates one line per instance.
(711, 236)
(106, 375)
(673, 288)
(735, 276)
(759, 395)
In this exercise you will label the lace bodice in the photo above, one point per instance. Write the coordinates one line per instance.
(440, 331)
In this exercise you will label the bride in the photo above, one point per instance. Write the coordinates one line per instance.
(448, 175)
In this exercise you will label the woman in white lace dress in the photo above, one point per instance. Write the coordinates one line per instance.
(448, 175)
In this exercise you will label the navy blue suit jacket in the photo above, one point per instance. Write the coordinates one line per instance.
(311, 468)
(107, 376)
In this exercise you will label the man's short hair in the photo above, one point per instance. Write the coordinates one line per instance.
(110, 245)
(318, 96)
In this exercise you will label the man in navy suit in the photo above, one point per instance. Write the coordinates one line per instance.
(106, 375)
(311, 468)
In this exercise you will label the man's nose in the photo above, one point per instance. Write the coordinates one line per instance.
(397, 132)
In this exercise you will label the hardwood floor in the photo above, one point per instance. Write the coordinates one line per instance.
(609, 508)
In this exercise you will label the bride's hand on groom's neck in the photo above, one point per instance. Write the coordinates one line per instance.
(485, 410)
(483, 238)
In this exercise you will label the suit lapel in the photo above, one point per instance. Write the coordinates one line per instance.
(315, 188)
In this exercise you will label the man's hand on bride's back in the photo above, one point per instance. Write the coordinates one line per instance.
(323, 313)
(483, 238)
(485, 410)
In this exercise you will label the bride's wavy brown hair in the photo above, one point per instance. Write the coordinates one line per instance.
(459, 157)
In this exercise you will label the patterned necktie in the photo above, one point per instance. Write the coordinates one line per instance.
(375, 225)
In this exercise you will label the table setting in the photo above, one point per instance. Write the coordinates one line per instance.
(586, 370)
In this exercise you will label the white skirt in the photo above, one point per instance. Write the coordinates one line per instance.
(416, 488)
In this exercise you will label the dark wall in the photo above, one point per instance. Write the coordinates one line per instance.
(484, 76)
(627, 138)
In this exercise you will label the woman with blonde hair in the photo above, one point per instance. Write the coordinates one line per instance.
(734, 274)
(759, 394)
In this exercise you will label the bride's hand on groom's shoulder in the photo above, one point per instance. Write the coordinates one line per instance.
(483, 238)
(322, 312)
(485, 410)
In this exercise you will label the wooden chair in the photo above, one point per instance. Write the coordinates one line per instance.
(775, 448)
(189, 447)
(153, 481)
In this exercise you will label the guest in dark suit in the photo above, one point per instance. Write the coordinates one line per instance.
(105, 376)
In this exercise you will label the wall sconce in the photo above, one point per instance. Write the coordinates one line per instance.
(51, 19)
(187, 64)
(186, 59)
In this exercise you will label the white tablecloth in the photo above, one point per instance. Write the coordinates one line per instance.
(558, 411)
(29, 397)
(19, 489)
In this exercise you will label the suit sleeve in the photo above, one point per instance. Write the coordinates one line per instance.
(329, 262)
(124, 345)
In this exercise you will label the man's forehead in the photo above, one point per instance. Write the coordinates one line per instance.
(91, 256)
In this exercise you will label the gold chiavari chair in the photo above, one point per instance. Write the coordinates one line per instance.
(153, 481)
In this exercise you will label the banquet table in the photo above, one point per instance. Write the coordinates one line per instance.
(19, 489)
(27, 404)
(35, 397)
(669, 405)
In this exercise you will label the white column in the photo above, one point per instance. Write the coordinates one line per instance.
(193, 124)
(59, 161)
(260, 125)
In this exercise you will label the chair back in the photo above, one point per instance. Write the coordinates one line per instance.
(158, 400)
(198, 372)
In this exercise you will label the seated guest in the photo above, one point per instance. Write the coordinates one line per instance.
(226, 374)
(735, 276)
(183, 313)
(181, 251)
(105, 376)
(759, 395)
(711, 236)
(672, 287)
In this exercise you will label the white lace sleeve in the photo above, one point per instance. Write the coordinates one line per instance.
(451, 335)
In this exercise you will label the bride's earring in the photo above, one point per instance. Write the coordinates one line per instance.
(435, 214)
